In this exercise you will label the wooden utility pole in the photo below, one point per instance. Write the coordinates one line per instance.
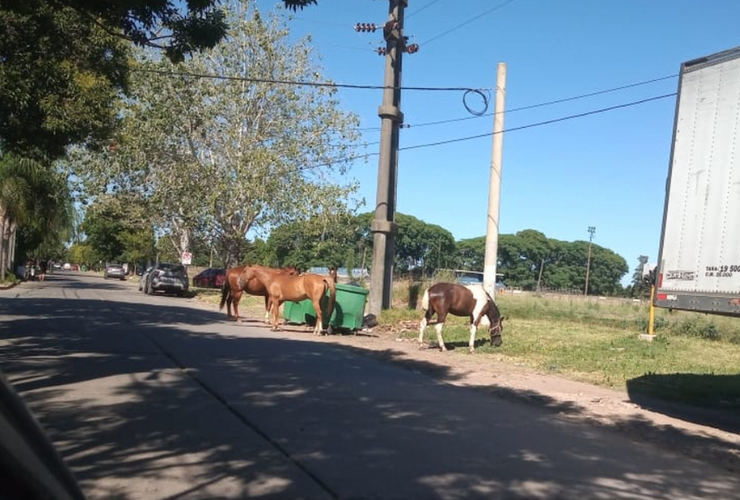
(539, 278)
(591, 230)
(384, 223)
(494, 189)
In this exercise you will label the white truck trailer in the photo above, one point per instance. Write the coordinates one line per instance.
(699, 260)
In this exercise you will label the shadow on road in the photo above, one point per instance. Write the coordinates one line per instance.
(720, 395)
(176, 379)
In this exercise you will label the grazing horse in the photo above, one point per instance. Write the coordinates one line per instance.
(472, 301)
(284, 288)
(236, 283)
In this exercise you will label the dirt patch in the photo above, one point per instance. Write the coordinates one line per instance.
(706, 435)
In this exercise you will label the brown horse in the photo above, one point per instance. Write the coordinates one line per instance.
(472, 301)
(236, 283)
(297, 288)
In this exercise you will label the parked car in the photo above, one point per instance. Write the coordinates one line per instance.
(470, 280)
(114, 271)
(213, 277)
(165, 277)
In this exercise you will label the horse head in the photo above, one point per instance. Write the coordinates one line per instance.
(496, 321)
(495, 331)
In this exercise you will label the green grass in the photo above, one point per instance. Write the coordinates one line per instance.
(695, 358)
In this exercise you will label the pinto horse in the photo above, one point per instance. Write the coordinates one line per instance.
(284, 288)
(472, 301)
(237, 282)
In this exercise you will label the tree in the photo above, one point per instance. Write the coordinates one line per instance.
(64, 62)
(114, 237)
(59, 80)
(35, 200)
(422, 246)
(295, 4)
(17, 179)
(642, 278)
(81, 253)
(310, 243)
(471, 253)
(563, 264)
(225, 156)
(520, 257)
(418, 245)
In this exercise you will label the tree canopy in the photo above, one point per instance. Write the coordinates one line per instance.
(65, 62)
(223, 156)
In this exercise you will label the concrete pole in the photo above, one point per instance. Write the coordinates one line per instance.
(384, 223)
(592, 230)
(494, 189)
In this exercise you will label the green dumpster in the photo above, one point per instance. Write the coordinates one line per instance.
(299, 312)
(349, 309)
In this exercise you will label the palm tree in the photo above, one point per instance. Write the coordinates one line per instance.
(34, 197)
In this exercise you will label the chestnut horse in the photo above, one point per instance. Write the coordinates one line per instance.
(285, 287)
(235, 284)
(472, 301)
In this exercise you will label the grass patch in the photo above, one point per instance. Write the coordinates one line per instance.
(694, 358)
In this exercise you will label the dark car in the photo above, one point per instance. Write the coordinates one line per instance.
(165, 277)
(114, 271)
(213, 277)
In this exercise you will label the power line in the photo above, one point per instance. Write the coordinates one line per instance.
(546, 122)
(421, 8)
(467, 22)
(514, 129)
(539, 105)
(298, 83)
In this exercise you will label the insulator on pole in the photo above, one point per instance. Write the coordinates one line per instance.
(413, 48)
(366, 27)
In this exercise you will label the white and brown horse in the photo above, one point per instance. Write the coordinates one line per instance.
(472, 301)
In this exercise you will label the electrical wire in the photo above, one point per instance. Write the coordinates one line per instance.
(533, 106)
(413, 13)
(513, 129)
(299, 83)
(466, 22)
(546, 122)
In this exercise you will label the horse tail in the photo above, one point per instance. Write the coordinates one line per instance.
(225, 292)
(425, 300)
(332, 287)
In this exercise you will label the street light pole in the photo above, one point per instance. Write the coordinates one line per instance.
(591, 230)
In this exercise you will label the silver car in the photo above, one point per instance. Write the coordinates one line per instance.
(114, 271)
(165, 277)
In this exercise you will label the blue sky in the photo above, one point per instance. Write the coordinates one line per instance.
(606, 170)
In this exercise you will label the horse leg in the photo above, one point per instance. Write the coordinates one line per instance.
(275, 314)
(438, 328)
(227, 300)
(319, 317)
(235, 298)
(441, 318)
(423, 325)
(471, 344)
(268, 309)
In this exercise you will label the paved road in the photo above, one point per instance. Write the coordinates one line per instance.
(160, 398)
